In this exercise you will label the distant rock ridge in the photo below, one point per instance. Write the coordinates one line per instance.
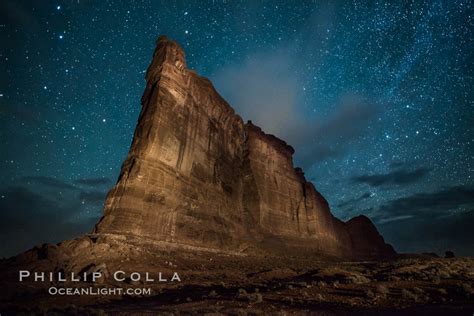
(197, 175)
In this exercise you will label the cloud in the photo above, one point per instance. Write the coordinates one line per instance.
(29, 217)
(397, 177)
(263, 89)
(426, 234)
(394, 219)
(270, 89)
(432, 221)
(354, 201)
(266, 89)
(49, 181)
(93, 196)
(430, 204)
(331, 137)
(59, 184)
(94, 181)
(45, 209)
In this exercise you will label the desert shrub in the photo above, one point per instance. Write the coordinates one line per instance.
(449, 254)
(99, 312)
(467, 289)
(442, 291)
(370, 294)
(419, 291)
(408, 295)
(242, 292)
(241, 312)
(393, 278)
(213, 293)
(382, 289)
(417, 295)
(357, 279)
(444, 274)
(435, 279)
(255, 298)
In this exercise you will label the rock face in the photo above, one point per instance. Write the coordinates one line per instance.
(197, 175)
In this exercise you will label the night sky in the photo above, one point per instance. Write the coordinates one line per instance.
(376, 98)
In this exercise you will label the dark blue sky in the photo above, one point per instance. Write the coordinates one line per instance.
(375, 97)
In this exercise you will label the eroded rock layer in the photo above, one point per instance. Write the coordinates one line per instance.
(197, 175)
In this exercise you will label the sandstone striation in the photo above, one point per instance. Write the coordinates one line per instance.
(197, 175)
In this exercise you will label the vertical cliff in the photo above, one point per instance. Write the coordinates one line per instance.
(289, 206)
(181, 179)
(196, 174)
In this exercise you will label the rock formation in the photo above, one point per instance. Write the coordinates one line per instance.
(196, 174)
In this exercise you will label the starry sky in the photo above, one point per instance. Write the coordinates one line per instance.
(376, 97)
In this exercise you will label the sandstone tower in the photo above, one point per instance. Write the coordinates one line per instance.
(196, 174)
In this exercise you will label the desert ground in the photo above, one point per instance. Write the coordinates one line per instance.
(216, 283)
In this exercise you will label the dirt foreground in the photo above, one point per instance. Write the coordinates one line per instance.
(186, 280)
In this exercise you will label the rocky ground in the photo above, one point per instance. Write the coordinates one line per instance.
(236, 283)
